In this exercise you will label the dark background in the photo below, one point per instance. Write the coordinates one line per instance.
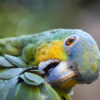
(18, 17)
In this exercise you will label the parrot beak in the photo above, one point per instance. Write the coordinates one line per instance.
(62, 72)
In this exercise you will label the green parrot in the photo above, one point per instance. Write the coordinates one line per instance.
(47, 65)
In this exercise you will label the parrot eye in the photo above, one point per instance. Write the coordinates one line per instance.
(70, 40)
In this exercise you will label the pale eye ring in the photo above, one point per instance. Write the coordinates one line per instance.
(70, 40)
(70, 43)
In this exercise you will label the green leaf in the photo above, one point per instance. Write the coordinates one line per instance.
(15, 60)
(2, 72)
(38, 71)
(28, 81)
(2, 85)
(8, 84)
(12, 93)
(62, 94)
(2, 97)
(23, 91)
(45, 94)
(8, 73)
(5, 63)
(52, 92)
(34, 77)
(1, 80)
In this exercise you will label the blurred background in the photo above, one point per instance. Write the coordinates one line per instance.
(18, 17)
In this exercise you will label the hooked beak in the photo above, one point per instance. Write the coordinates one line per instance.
(62, 72)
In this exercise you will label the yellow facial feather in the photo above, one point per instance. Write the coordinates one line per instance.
(53, 50)
(68, 84)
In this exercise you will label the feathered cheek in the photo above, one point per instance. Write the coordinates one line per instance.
(91, 59)
(52, 50)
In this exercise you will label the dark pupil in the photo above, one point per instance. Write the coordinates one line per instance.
(71, 40)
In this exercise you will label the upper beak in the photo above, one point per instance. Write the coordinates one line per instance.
(64, 71)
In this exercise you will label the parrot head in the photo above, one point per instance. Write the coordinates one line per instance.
(70, 57)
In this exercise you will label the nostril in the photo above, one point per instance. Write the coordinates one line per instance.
(71, 67)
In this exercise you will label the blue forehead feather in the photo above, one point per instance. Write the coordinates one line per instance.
(85, 44)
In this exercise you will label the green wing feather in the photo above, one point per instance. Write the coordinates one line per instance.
(19, 80)
(22, 83)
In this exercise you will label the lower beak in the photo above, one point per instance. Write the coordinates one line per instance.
(63, 72)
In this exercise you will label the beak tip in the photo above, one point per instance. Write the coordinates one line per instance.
(58, 79)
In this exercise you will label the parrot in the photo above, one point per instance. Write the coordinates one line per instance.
(47, 65)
